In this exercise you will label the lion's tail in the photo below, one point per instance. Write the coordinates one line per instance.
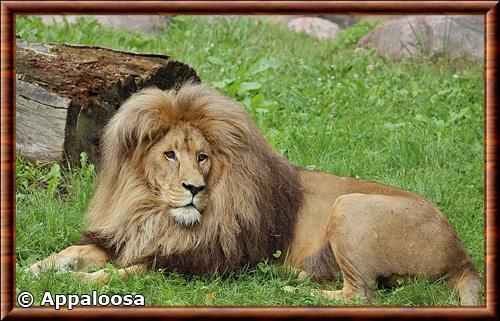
(468, 285)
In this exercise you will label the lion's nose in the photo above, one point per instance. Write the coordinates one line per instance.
(193, 189)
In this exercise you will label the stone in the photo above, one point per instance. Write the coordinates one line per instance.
(316, 27)
(133, 23)
(343, 20)
(410, 36)
(284, 19)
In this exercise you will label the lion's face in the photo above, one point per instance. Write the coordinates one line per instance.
(177, 168)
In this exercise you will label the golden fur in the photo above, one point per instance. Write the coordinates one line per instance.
(251, 202)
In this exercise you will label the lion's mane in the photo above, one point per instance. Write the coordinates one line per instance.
(254, 197)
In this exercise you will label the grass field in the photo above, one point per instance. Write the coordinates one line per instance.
(325, 105)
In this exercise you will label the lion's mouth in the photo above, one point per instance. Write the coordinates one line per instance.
(187, 215)
(193, 204)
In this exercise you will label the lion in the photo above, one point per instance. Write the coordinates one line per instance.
(188, 184)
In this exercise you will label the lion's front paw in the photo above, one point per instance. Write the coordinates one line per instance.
(60, 263)
(34, 270)
(101, 276)
(335, 295)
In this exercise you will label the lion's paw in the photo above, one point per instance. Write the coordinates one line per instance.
(101, 276)
(335, 295)
(56, 262)
(34, 270)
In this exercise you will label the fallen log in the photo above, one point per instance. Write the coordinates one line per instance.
(65, 94)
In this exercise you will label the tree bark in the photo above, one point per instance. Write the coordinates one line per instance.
(66, 94)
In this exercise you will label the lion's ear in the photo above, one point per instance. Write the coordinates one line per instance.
(137, 121)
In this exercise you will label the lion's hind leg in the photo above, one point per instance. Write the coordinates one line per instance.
(350, 237)
(358, 280)
(323, 267)
(73, 258)
(374, 236)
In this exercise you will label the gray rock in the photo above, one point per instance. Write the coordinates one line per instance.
(343, 21)
(316, 27)
(285, 19)
(133, 23)
(458, 36)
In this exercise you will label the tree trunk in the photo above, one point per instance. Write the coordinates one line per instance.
(66, 94)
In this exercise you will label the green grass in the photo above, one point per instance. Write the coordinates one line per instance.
(325, 105)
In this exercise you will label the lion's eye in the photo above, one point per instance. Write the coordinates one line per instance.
(202, 158)
(170, 155)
